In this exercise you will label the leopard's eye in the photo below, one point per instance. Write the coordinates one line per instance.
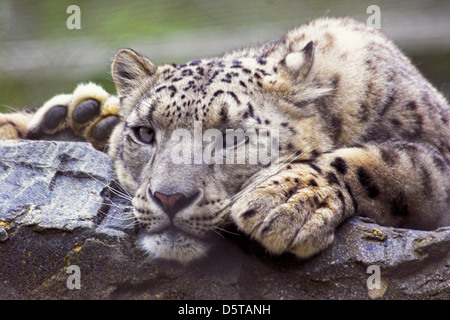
(144, 135)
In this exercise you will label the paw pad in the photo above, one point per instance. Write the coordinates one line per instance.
(55, 117)
(85, 111)
(102, 130)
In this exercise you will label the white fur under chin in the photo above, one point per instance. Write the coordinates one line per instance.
(175, 247)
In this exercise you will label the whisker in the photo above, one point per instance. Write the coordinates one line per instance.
(217, 232)
(227, 231)
(111, 203)
(122, 195)
(12, 109)
(118, 206)
(123, 208)
(122, 188)
(118, 218)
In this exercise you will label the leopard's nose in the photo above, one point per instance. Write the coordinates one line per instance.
(172, 203)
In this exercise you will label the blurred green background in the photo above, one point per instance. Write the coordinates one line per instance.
(41, 57)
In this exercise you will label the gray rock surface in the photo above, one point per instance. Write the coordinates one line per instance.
(60, 207)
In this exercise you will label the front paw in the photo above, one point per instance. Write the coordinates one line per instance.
(295, 210)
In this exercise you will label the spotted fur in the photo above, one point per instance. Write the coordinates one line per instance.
(361, 133)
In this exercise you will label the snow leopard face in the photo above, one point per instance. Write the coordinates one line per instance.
(177, 149)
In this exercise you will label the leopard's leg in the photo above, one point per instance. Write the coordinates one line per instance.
(89, 113)
(13, 126)
(298, 206)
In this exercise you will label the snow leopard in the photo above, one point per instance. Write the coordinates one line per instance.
(359, 131)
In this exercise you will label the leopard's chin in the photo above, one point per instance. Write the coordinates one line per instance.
(174, 246)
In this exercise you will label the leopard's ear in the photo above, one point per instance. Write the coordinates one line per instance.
(294, 67)
(299, 63)
(129, 68)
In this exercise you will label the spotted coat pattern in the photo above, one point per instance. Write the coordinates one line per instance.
(361, 132)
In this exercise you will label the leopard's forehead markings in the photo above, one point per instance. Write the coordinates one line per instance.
(188, 91)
